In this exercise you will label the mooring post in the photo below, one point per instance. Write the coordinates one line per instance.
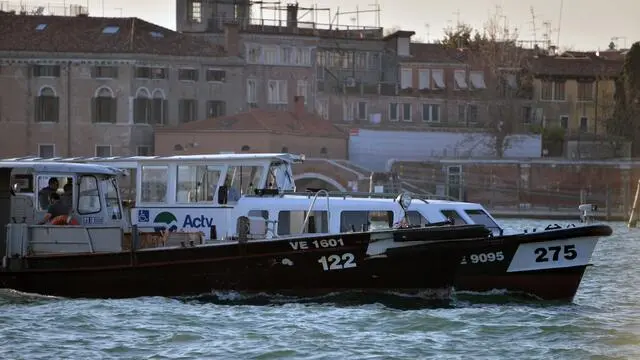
(633, 218)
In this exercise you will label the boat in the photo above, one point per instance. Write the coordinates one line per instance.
(91, 251)
(207, 194)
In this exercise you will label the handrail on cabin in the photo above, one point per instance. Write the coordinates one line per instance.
(357, 194)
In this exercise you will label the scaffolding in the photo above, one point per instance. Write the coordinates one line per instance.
(57, 9)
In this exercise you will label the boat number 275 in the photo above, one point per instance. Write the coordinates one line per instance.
(338, 262)
(552, 253)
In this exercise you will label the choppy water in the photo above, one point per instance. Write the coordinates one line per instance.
(602, 323)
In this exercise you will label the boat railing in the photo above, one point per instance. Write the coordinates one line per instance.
(356, 194)
(313, 202)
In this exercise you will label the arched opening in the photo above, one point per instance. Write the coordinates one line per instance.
(159, 107)
(47, 105)
(317, 181)
(142, 107)
(104, 106)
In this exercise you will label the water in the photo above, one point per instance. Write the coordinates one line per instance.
(602, 323)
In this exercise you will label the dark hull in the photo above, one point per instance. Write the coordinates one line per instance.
(288, 265)
(548, 264)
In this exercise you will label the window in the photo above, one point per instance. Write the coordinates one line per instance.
(361, 60)
(362, 110)
(453, 215)
(159, 108)
(277, 92)
(214, 75)
(252, 91)
(46, 151)
(472, 114)
(552, 90)
(350, 110)
(88, 196)
(42, 183)
(105, 72)
(113, 200)
(365, 220)
(216, 108)
(322, 108)
(558, 91)
(187, 110)
(259, 213)
(47, 106)
(477, 80)
(103, 150)
(406, 78)
(143, 72)
(480, 217)
(585, 91)
(187, 74)
(270, 54)
(406, 112)
(564, 121)
(142, 107)
(584, 123)
(286, 55)
(460, 81)
(301, 89)
(431, 112)
(374, 61)
(111, 29)
(154, 184)
(46, 70)
(394, 112)
(41, 27)
(415, 218)
(104, 106)
(244, 179)
(438, 78)
(424, 79)
(156, 34)
(253, 54)
(290, 222)
(527, 115)
(158, 73)
(462, 113)
(143, 151)
(195, 11)
(197, 183)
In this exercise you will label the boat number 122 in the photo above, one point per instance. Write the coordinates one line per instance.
(544, 254)
(337, 262)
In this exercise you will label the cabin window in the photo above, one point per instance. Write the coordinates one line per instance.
(244, 179)
(415, 218)
(22, 183)
(279, 176)
(452, 214)
(290, 222)
(89, 196)
(365, 220)
(480, 217)
(42, 185)
(113, 200)
(196, 183)
(154, 184)
(259, 213)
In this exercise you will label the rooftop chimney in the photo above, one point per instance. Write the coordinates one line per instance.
(232, 38)
(298, 106)
(292, 16)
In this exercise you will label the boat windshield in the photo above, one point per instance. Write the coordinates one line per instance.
(480, 217)
(279, 176)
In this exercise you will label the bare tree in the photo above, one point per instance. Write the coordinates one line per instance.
(508, 94)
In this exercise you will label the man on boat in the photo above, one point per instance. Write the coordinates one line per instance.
(44, 195)
(55, 210)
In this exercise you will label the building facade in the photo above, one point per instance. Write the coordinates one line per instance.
(86, 86)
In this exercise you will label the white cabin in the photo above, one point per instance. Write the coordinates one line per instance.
(208, 194)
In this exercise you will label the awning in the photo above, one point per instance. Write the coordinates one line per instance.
(461, 82)
(477, 80)
(438, 78)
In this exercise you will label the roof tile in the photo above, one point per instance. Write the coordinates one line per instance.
(273, 121)
(84, 34)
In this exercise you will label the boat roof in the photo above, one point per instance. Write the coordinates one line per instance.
(132, 161)
(60, 167)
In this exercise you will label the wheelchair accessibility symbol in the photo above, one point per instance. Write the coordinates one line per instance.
(143, 216)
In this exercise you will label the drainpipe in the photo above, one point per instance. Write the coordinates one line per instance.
(29, 109)
(69, 109)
